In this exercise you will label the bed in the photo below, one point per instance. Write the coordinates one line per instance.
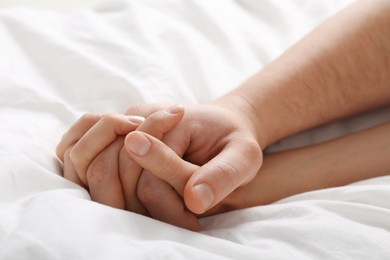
(60, 61)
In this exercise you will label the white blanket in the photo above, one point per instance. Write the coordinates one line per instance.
(54, 66)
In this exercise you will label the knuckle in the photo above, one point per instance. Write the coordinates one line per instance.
(77, 163)
(98, 172)
(78, 160)
(67, 155)
(116, 123)
(109, 119)
(148, 192)
(75, 157)
(229, 174)
(254, 155)
(90, 118)
(253, 150)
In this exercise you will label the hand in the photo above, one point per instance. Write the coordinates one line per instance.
(177, 172)
(92, 161)
(79, 147)
(222, 139)
(285, 173)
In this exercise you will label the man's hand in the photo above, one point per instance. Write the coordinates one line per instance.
(221, 139)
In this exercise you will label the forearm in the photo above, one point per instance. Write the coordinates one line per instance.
(340, 69)
(339, 162)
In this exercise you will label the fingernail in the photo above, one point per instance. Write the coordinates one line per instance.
(174, 109)
(136, 119)
(139, 144)
(204, 194)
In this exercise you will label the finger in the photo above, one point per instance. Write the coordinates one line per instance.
(103, 177)
(163, 203)
(157, 195)
(129, 173)
(154, 156)
(74, 133)
(69, 171)
(162, 121)
(99, 137)
(234, 166)
(156, 125)
(177, 140)
(146, 110)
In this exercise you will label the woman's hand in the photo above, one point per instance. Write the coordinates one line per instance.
(80, 150)
(94, 157)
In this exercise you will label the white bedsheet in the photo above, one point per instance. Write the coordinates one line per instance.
(54, 66)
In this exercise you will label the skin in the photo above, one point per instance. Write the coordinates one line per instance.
(338, 70)
(345, 73)
(112, 164)
(338, 162)
(352, 158)
(348, 159)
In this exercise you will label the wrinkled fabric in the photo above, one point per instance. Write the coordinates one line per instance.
(55, 66)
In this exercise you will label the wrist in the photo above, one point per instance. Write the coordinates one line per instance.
(239, 104)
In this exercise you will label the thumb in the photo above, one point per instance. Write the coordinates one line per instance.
(165, 169)
(157, 158)
(235, 165)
